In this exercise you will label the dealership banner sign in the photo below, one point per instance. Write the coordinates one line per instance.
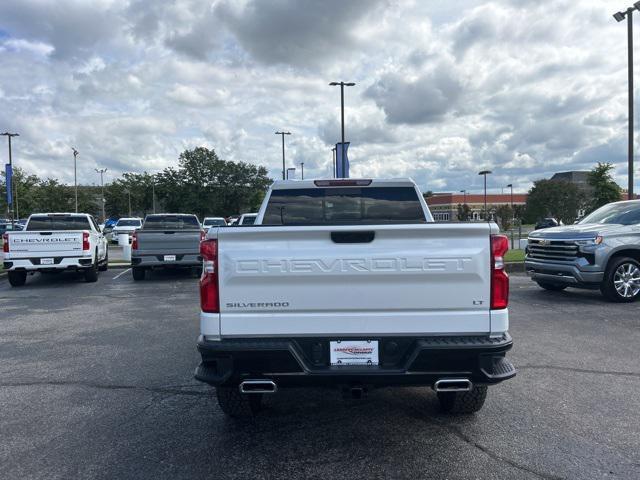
(342, 168)
(8, 182)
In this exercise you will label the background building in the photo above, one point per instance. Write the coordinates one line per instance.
(444, 206)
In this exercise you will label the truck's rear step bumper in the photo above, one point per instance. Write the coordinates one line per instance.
(403, 361)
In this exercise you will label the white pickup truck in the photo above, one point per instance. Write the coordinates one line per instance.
(351, 283)
(53, 242)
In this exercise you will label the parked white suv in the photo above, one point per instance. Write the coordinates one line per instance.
(55, 242)
(125, 225)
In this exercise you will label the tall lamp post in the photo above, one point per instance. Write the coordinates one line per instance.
(75, 174)
(484, 173)
(153, 192)
(10, 206)
(619, 16)
(513, 214)
(342, 85)
(284, 169)
(302, 170)
(101, 171)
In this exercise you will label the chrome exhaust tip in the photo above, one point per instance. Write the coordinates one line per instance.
(453, 385)
(258, 386)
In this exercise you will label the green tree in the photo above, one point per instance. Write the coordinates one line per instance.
(464, 212)
(206, 185)
(605, 189)
(550, 198)
(504, 214)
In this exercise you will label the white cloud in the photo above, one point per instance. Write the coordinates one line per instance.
(441, 90)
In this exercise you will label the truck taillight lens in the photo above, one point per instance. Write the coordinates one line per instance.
(209, 293)
(85, 241)
(134, 241)
(202, 235)
(499, 278)
(5, 242)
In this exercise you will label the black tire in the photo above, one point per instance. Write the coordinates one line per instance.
(236, 404)
(138, 273)
(553, 287)
(463, 402)
(91, 274)
(17, 279)
(105, 265)
(615, 272)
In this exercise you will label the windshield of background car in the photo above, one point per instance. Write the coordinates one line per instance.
(249, 220)
(213, 221)
(171, 222)
(128, 223)
(55, 222)
(344, 206)
(615, 213)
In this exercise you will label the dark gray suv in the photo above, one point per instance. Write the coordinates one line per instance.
(601, 251)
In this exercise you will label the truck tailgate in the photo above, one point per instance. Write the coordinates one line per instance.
(324, 280)
(38, 244)
(153, 242)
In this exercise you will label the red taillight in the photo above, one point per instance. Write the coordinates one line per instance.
(5, 242)
(134, 241)
(85, 241)
(202, 235)
(499, 278)
(209, 294)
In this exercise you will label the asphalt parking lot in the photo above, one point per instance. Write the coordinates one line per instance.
(96, 382)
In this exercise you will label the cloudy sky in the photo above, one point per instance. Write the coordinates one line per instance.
(444, 88)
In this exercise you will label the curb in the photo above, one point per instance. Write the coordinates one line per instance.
(514, 267)
(119, 265)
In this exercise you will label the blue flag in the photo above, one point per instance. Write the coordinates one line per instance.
(342, 167)
(8, 177)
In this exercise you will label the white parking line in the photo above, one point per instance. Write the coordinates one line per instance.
(121, 273)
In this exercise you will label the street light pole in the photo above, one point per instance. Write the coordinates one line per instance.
(619, 16)
(10, 206)
(342, 85)
(75, 174)
(101, 171)
(153, 193)
(484, 173)
(513, 215)
(284, 169)
(302, 169)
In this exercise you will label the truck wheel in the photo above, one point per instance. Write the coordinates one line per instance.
(621, 280)
(236, 404)
(105, 265)
(17, 278)
(91, 274)
(463, 402)
(138, 273)
(554, 287)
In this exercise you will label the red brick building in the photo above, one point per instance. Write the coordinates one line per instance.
(444, 206)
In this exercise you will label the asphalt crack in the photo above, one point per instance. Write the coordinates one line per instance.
(167, 390)
(487, 451)
(579, 370)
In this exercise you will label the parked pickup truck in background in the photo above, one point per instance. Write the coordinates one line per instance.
(166, 240)
(601, 251)
(53, 242)
(350, 283)
(125, 225)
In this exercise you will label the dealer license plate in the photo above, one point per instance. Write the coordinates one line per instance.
(353, 352)
(169, 258)
(46, 261)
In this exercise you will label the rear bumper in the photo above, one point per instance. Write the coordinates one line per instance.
(561, 273)
(60, 263)
(295, 362)
(157, 261)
